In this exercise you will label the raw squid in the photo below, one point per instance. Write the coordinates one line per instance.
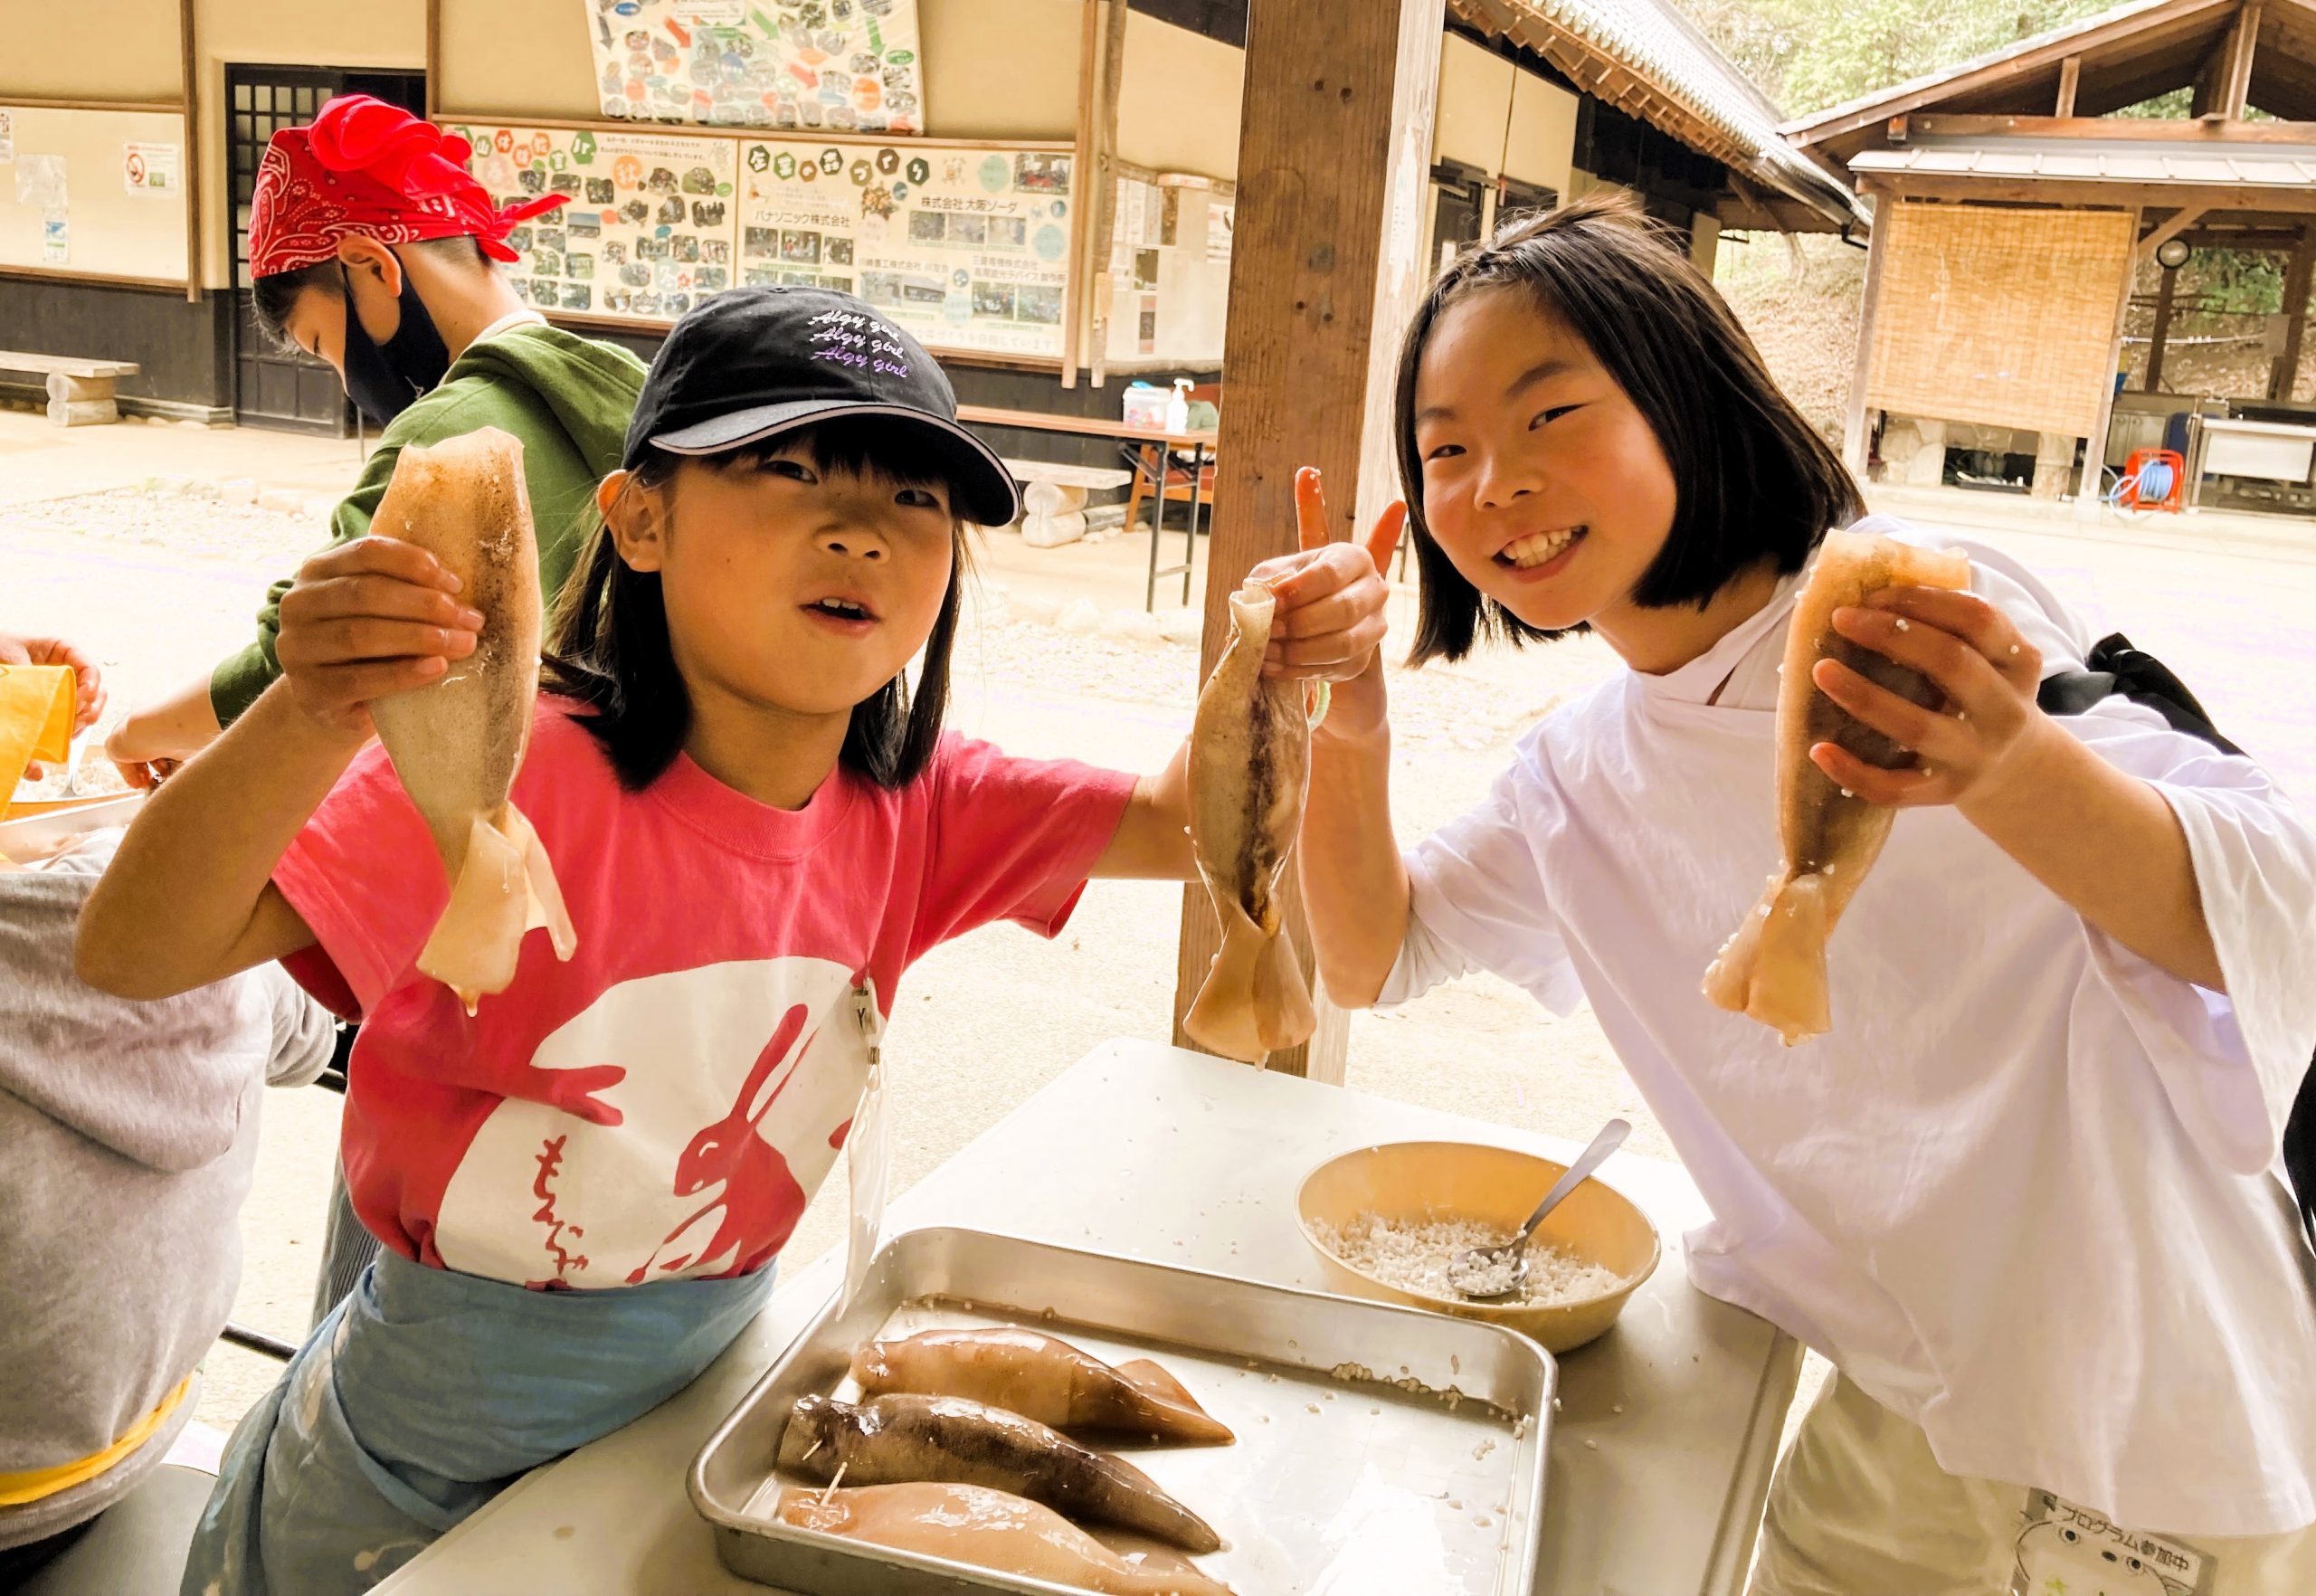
(900, 1438)
(1774, 967)
(457, 744)
(1040, 1378)
(991, 1530)
(1250, 761)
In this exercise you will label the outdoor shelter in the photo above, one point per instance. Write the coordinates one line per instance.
(2015, 207)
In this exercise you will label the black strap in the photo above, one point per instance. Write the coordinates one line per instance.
(2115, 667)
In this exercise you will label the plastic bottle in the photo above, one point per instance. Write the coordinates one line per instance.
(1178, 407)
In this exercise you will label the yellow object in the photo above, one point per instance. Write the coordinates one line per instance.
(1496, 1186)
(35, 719)
(32, 1484)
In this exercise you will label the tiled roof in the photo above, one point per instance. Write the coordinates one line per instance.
(1649, 61)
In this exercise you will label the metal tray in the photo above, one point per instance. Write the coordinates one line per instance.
(34, 830)
(1340, 1484)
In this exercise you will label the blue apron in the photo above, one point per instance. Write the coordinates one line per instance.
(425, 1393)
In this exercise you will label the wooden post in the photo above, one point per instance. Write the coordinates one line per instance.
(2070, 75)
(189, 69)
(1101, 186)
(2285, 370)
(2094, 449)
(1854, 432)
(1084, 185)
(2163, 331)
(1334, 151)
(2226, 82)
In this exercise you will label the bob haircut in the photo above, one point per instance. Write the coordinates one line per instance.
(607, 640)
(1753, 479)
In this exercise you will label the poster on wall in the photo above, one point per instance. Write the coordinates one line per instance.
(8, 137)
(149, 168)
(968, 249)
(1171, 244)
(844, 66)
(648, 232)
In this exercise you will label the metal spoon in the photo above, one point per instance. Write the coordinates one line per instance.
(1496, 1274)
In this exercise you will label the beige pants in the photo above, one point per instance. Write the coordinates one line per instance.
(1859, 1507)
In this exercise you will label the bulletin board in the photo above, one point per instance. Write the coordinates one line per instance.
(966, 246)
(97, 193)
(854, 66)
(648, 231)
(1171, 244)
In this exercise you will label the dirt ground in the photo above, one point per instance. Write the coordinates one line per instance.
(99, 542)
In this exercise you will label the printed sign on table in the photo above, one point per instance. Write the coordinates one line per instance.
(966, 247)
(648, 230)
(842, 65)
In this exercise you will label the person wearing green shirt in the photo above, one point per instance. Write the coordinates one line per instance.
(373, 250)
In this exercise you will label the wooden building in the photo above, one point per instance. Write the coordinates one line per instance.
(1537, 100)
(2015, 209)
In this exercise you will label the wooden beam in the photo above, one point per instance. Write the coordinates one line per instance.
(2285, 372)
(433, 57)
(1085, 182)
(1100, 283)
(1334, 147)
(1854, 432)
(2233, 77)
(189, 87)
(2105, 129)
(2002, 72)
(2157, 236)
(2094, 449)
(2116, 194)
(2161, 334)
(2070, 77)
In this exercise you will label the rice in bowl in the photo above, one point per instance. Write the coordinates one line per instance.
(1413, 1255)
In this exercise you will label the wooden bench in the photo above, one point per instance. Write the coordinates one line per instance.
(1053, 506)
(80, 392)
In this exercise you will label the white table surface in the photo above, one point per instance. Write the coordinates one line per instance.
(1668, 1429)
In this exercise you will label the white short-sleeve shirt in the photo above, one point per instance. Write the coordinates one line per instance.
(2022, 1192)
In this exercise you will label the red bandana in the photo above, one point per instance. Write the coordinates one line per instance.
(368, 169)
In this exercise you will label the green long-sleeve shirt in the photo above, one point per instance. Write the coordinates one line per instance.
(568, 398)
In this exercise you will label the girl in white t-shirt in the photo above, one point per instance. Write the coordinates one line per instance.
(2021, 1194)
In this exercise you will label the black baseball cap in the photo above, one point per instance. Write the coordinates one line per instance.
(754, 362)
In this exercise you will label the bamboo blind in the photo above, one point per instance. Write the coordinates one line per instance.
(2002, 316)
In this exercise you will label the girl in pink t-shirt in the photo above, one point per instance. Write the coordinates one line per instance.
(757, 824)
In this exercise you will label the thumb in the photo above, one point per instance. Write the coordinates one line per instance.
(1385, 538)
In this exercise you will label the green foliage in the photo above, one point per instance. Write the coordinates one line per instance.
(1808, 55)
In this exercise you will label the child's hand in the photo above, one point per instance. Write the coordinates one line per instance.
(1331, 596)
(366, 620)
(1990, 727)
(88, 681)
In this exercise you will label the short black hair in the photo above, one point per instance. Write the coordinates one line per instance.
(1753, 479)
(608, 647)
(274, 297)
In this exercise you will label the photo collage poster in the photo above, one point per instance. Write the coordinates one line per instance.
(966, 247)
(648, 231)
(842, 66)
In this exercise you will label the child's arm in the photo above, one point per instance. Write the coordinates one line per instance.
(1328, 627)
(151, 742)
(189, 898)
(1354, 880)
(2106, 842)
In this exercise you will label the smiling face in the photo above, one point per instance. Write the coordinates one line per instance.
(1542, 482)
(789, 585)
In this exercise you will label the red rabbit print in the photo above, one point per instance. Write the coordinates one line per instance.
(753, 1184)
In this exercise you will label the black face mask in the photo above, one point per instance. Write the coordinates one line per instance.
(385, 379)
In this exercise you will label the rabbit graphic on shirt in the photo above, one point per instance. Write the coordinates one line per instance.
(735, 1083)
